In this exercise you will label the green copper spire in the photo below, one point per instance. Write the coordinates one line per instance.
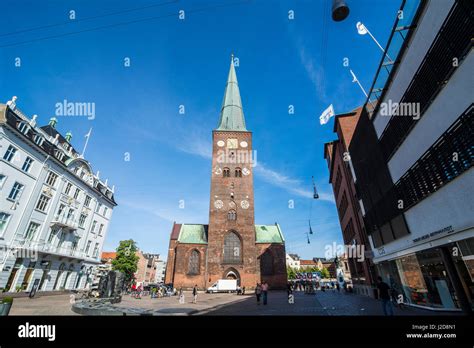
(232, 115)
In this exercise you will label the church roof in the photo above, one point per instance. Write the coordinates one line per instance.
(193, 234)
(268, 234)
(197, 233)
(232, 114)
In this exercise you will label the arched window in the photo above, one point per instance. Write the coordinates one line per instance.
(232, 248)
(231, 215)
(238, 172)
(266, 263)
(226, 172)
(193, 265)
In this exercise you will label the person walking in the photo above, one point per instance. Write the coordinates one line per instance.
(195, 294)
(384, 295)
(289, 288)
(258, 292)
(265, 292)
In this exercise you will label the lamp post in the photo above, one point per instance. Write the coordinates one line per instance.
(362, 30)
(340, 10)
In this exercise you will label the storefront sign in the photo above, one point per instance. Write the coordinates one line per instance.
(445, 230)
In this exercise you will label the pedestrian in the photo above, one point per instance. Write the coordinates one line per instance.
(384, 295)
(338, 287)
(265, 292)
(195, 293)
(395, 298)
(181, 296)
(258, 292)
(243, 290)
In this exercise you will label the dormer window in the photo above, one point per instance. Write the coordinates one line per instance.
(38, 139)
(23, 127)
(59, 155)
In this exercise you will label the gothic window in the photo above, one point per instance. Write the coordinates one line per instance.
(231, 215)
(266, 263)
(226, 172)
(232, 248)
(193, 266)
(238, 172)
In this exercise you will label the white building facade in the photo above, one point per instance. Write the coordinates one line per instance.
(415, 176)
(54, 211)
(160, 271)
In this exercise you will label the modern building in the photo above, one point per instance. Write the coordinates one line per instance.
(54, 210)
(231, 246)
(349, 209)
(412, 156)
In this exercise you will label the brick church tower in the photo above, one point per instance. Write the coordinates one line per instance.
(231, 246)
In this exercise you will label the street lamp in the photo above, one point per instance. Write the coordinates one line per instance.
(362, 30)
(340, 10)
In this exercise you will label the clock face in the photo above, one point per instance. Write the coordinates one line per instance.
(243, 144)
(245, 204)
(220, 143)
(218, 204)
(232, 143)
(218, 171)
(245, 171)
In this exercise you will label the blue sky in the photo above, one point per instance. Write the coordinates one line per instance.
(185, 62)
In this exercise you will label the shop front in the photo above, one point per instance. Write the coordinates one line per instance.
(436, 278)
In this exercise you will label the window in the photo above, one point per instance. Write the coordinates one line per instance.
(4, 217)
(337, 183)
(23, 127)
(231, 215)
(76, 193)
(82, 220)
(94, 223)
(60, 210)
(87, 201)
(75, 242)
(31, 231)
(3, 178)
(193, 264)
(15, 193)
(27, 164)
(51, 179)
(51, 235)
(88, 247)
(70, 214)
(238, 172)
(9, 154)
(38, 139)
(68, 188)
(101, 227)
(226, 172)
(43, 202)
(96, 250)
(232, 248)
(97, 208)
(343, 205)
(105, 211)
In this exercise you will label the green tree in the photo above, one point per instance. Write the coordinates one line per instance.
(291, 273)
(324, 273)
(126, 260)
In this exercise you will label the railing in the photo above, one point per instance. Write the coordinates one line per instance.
(395, 45)
(44, 247)
(64, 221)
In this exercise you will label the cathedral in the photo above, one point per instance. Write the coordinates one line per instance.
(231, 246)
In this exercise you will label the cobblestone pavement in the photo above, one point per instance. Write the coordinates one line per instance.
(43, 305)
(319, 304)
(322, 303)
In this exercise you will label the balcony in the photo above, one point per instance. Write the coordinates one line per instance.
(65, 222)
(48, 248)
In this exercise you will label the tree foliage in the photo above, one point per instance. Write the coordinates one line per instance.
(126, 260)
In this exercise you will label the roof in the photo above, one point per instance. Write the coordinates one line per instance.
(232, 115)
(193, 234)
(268, 234)
(108, 255)
(197, 233)
(307, 262)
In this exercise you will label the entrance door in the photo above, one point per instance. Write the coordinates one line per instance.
(12, 276)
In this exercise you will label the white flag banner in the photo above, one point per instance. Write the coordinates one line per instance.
(326, 115)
